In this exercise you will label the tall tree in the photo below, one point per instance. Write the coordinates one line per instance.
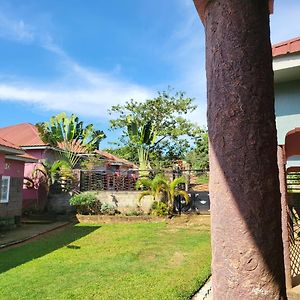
(244, 188)
(168, 113)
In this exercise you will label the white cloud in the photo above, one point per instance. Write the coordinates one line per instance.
(15, 29)
(89, 102)
(79, 89)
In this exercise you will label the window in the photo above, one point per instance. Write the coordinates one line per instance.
(4, 194)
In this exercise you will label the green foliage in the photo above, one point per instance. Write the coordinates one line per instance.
(108, 209)
(70, 136)
(198, 157)
(167, 113)
(143, 136)
(63, 129)
(203, 179)
(88, 203)
(58, 174)
(91, 162)
(159, 209)
(159, 184)
(134, 212)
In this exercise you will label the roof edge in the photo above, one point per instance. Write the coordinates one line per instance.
(286, 47)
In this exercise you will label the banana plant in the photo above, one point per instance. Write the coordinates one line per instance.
(144, 136)
(69, 135)
(160, 184)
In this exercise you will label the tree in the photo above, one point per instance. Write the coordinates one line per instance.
(70, 136)
(167, 112)
(198, 157)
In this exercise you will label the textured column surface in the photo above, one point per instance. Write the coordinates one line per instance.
(284, 216)
(244, 187)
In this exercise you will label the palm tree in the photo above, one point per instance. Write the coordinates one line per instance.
(160, 184)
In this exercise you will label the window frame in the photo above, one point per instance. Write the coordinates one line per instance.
(6, 199)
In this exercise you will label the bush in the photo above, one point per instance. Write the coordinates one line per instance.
(86, 203)
(134, 212)
(108, 209)
(159, 209)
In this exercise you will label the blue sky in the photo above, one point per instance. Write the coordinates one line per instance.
(84, 56)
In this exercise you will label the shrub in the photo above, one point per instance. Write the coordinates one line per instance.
(159, 209)
(108, 209)
(86, 203)
(134, 212)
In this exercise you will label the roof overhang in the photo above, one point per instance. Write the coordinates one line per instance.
(8, 150)
(21, 158)
(201, 6)
(286, 67)
(40, 148)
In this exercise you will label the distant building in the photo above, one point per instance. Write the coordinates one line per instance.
(286, 65)
(27, 137)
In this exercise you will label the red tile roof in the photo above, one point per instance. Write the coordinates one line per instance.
(5, 143)
(287, 47)
(112, 157)
(24, 134)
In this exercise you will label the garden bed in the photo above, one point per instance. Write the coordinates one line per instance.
(117, 219)
(190, 219)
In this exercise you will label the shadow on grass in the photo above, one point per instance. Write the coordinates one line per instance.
(14, 257)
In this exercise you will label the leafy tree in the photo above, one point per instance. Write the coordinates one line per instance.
(198, 157)
(167, 112)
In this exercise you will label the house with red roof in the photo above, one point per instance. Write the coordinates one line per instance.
(26, 136)
(12, 161)
(115, 163)
(28, 139)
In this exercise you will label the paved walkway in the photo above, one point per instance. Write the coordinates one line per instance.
(205, 293)
(26, 232)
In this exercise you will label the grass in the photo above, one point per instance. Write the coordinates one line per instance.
(203, 179)
(117, 261)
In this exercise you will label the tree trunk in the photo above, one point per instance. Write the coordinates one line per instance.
(244, 187)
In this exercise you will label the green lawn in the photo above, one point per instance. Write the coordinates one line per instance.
(131, 261)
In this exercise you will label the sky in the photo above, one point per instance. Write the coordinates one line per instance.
(84, 56)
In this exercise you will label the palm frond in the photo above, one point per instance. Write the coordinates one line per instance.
(143, 194)
(184, 194)
(176, 182)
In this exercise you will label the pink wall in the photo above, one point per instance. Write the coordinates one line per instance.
(32, 197)
(14, 168)
(2, 163)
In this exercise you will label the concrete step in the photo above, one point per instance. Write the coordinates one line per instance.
(294, 293)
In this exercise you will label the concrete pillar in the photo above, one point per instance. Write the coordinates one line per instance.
(244, 187)
(284, 216)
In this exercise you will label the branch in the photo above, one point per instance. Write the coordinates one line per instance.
(156, 143)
